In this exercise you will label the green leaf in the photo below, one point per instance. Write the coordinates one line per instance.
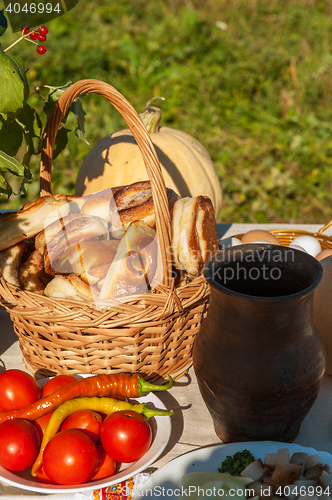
(12, 88)
(23, 74)
(77, 108)
(26, 180)
(29, 118)
(5, 187)
(9, 164)
(61, 141)
(11, 136)
(53, 96)
(32, 128)
(3, 23)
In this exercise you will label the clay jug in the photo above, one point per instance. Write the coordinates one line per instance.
(259, 358)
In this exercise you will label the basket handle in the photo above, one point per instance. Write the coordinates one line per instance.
(150, 158)
(322, 229)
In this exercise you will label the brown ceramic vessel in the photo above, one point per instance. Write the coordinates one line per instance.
(259, 358)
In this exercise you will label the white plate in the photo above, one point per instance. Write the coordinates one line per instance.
(161, 429)
(164, 482)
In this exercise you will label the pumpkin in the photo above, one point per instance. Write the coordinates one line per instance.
(116, 161)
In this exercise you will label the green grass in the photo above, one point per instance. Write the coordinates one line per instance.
(255, 91)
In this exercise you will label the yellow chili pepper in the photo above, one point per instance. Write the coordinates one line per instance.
(104, 405)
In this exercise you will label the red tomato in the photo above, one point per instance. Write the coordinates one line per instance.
(70, 457)
(126, 436)
(19, 444)
(18, 389)
(41, 423)
(41, 476)
(86, 421)
(56, 383)
(105, 465)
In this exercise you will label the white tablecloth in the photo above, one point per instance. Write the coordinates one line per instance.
(191, 423)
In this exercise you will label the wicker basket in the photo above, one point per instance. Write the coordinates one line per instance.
(285, 236)
(152, 334)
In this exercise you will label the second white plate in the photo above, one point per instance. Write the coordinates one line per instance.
(165, 481)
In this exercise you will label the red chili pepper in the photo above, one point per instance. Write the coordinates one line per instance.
(119, 384)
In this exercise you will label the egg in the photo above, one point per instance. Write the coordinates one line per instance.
(324, 253)
(309, 243)
(256, 235)
(232, 241)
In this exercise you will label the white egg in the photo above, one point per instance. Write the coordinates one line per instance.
(297, 247)
(309, 243)
(229, 242)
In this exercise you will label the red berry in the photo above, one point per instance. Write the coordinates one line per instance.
(41, 38)
(43, 30)
(34, 35)
(25, 29)
(41, 49)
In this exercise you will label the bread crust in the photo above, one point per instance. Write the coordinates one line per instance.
(70, 287)
(134, 266)
(91, 259)
(70, 230)
(26, 223)
(206, 228)
(134, 203)
(194, 234)
(10, 262)
(32, 275)
(100, 204)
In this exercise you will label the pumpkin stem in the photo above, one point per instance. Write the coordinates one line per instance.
(151, 116)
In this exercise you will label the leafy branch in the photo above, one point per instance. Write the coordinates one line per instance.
(21, 125)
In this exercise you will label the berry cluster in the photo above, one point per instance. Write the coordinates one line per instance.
(36, 35)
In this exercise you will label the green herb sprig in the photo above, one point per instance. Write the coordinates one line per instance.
(237, 463)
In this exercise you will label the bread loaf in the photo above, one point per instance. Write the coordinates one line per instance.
(22, 224)
(69, 287)
(134, 267)
(101, 204)
(91, 259)
(10, 262)
(134, 203)
(194, 234)
(71, 238)
(73, 229)
(32, 275)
